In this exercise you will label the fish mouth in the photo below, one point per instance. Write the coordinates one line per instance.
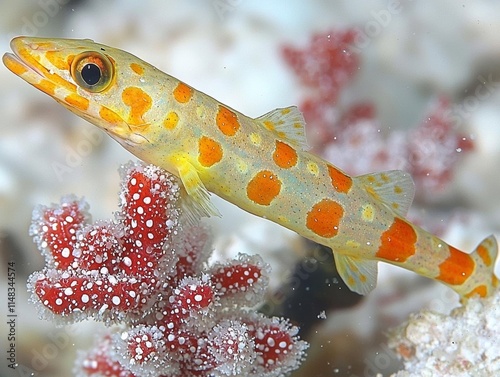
(21, 61)
(24, 62)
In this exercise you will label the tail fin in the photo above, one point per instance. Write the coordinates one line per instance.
(483, 281)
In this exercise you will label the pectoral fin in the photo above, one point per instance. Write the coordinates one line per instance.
(197, 201)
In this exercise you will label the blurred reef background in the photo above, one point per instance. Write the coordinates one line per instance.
(383, 85)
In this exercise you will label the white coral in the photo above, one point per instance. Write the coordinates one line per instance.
(462, 344)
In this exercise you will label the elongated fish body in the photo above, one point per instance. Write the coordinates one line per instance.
(259, 164)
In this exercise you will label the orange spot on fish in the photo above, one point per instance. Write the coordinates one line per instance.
(263, 187)
(480, 290)
(227, 121)
(139, 102)
(210, 151)
(485, 256)
(77, 101)
(183, 93)
(324, 218)
(12, 64)
(397, 243)
(46, 86)
(109, 116)
(340, 181)
(171, 120)
(457, 268)
(137, 68)
(284, 155)
(57, 59)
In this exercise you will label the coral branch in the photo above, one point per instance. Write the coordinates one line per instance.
(462, 343)
(145, 271)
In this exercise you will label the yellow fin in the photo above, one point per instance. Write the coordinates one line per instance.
(360, 275)
(197, 202)
(287, 124)
(484, 281)
(394, 188)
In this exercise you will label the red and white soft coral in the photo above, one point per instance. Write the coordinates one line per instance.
(145, 270)
(108, 270)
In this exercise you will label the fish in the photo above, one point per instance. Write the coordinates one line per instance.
(262, 164)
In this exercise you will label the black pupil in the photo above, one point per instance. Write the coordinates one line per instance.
(91, 74)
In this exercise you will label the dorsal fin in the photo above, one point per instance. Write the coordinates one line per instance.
(394, 188)
(287, 124)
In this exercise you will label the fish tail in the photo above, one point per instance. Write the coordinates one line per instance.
(483, 281)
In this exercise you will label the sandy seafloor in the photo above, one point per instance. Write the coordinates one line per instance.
(234, 55)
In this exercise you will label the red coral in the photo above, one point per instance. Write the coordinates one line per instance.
(327, 64)
(435, 146)
(106, 270)
(57, 231)
(145, 270)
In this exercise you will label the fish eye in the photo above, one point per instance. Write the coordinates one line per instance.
(92, 71)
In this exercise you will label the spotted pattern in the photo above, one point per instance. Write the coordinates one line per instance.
(263, 187)
(480, 290)
(241, 165)
(367, 212)
(46, 86)
(284, 155)
(340, 181)
(227, 121)
(109, 115)
(397, 243)
(139, 102)
(457, 268)
(255, 138)
(484, 255)
(324, 218)
(137, 68)
(182, 93)
(210, 151)
(313, 168)
(16, 67)
(171, 120)
(81, 103)
(56, 59)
